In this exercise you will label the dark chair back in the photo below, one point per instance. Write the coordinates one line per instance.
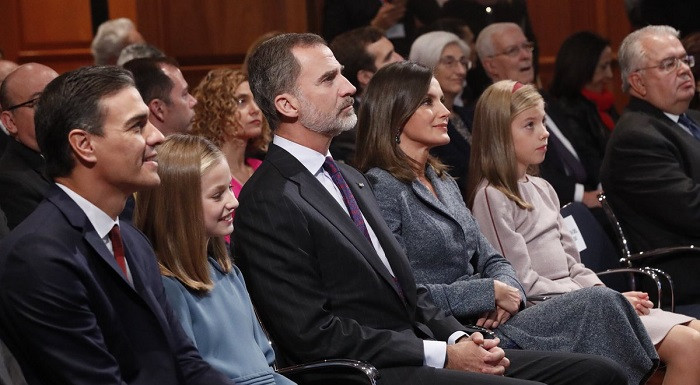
(600, 254)
(617, 229)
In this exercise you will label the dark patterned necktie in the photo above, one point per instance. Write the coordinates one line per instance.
(692, 126)
(350, 202)
(349, 199)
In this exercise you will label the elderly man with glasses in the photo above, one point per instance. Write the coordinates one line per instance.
(506, 54)
(651, 170)
(22, 175)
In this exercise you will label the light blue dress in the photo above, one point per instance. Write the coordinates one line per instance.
(224, 328)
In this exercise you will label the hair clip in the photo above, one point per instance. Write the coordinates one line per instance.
(517, 86)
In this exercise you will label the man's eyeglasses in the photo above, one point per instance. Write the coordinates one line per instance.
(514, 51)
(451, 61)
(672, 63)
(31, 103)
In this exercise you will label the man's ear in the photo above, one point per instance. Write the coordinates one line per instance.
(363, 78)
(637, 83)
(9, 122)
(82, 146)
(489, 68)
(287, 105)
(157, 107)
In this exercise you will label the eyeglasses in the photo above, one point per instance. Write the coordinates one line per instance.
(514, 50)
(31, 103)
(451, 61)
(672, 63)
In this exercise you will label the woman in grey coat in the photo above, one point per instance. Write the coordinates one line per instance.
(400, 119)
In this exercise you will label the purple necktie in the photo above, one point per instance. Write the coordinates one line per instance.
(349, 199)
(350, 202)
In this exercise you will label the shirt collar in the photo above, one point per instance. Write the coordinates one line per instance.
(312, 160)
(672, 116)
(100, 220)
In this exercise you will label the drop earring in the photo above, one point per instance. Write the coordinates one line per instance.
(397, 139)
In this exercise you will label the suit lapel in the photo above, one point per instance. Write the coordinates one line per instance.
(311, 190)
(402, 270)
(77, 218)
(442, 201)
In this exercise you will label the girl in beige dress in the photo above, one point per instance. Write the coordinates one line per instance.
(519, 214)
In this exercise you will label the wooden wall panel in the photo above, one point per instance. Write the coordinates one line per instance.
(122, 8)
(205, 34)
(554, 20)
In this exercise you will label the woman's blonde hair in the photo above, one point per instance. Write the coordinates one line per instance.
(492, 154)
(216, 112)
(171, 214)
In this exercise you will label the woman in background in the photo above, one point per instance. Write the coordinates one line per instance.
(447, 55)
(519, 214)
(401, 119)
(582, 75)
(227, 115)
(186, 218)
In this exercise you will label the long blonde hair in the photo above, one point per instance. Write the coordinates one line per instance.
(492, 154)
(171, 214)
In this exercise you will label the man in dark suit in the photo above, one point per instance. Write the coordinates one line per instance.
(22, 170)
(327, 276)
(81, 296)
(505, 53)
(651, 169)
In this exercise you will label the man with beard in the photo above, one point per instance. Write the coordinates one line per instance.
(327, 276)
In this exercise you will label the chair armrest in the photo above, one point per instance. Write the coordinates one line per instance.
(663, 252)
(542, 297)
(333, 371)
(488, 334)
(652, 273)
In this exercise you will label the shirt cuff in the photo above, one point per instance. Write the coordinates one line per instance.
(578, 192)
(455, 336)
(435, 351)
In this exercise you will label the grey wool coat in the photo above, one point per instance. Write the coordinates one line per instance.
(454, 261)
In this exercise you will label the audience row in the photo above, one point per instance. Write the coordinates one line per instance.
(388, 267)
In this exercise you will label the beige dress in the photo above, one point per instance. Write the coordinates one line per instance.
(541, 249)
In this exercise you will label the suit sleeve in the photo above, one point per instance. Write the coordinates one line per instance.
(277, 255)
(647, 168)
(42, 296)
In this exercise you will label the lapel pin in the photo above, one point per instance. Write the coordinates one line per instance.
(361, 184)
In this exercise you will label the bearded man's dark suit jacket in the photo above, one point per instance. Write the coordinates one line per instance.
(23, 181)
(322, 291)
(651, 176)
(70, 316)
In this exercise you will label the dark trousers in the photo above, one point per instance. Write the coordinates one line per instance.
(526, 368)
